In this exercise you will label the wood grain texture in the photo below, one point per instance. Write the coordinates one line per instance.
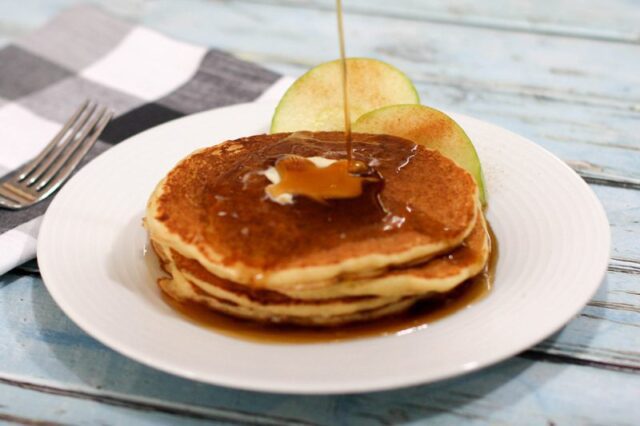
(601, 20)
(607, 330)
(623, 211)
(48, 365)
(519, 390)
(597, 177)
(103, 402)
(582, 106)
(564, 74)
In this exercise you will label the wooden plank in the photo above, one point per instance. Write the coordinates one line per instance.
(519, 391)
(508, 62)
(623, 210)
(527, 61)
(15, 21)
(605, 141)
(544, 118)
(607, 331)
(596, 177)
(38, 404)
(601, 20)
(525, 82)
(583, 106)
(591, 137)
(614, 20)
(24, 406)
(42, 347)
(580, 108)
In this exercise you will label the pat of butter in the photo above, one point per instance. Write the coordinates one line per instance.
(274, 177)
(321, 162)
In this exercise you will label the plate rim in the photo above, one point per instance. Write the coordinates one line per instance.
(294, 387)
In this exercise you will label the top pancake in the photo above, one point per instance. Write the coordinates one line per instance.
(212, 207)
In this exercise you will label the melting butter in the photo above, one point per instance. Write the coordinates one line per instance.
(318, 178)
(274, 177)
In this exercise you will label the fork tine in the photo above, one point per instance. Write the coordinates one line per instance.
(31, 165)
(15, 193)
(9, 203)
(12, 196)
(69, 140)
(69, 150)
(68, 163)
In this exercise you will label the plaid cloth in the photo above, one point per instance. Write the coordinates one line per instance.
(145, 77)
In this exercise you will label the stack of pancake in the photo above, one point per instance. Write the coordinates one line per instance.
(223, 243)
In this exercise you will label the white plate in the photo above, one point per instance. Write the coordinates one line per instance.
(552, 232)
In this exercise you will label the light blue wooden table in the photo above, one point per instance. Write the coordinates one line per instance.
(563, 73)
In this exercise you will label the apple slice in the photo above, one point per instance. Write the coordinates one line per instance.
(314, 101)
(428, 127)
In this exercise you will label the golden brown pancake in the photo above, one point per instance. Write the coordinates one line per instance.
(393, 292)
(440, 274)
(212, 208)
(276, 309)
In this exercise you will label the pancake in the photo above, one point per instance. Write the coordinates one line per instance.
(212, 208)
(345, 302)
(332, 312)
(171, 288)
(441, 274)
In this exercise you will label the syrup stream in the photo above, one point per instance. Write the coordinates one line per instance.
(345, 93)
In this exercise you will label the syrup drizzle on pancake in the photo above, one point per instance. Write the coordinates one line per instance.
(300, 176)
(342, 192)
(340, 180)
(339, 202)
(418, 317)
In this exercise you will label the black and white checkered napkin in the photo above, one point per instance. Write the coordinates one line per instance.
(147, 78)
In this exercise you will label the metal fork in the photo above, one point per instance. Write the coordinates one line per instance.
(40, 177)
